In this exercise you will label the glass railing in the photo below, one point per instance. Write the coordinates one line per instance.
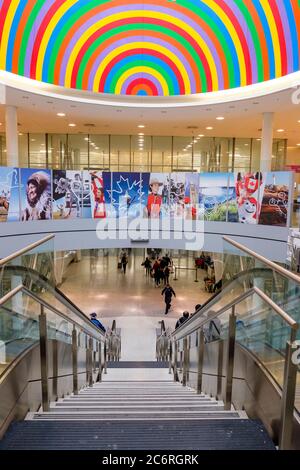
(20, 315)
(282, 286)
(260, 326)
(37, 257)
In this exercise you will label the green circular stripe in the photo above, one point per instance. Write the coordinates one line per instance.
(259, 56)
(138, 63)
(25, 38)
(109, 34)
(89, 5)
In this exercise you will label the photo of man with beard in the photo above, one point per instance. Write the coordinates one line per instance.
(38, 197)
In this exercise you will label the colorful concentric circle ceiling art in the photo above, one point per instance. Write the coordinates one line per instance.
(159, 48)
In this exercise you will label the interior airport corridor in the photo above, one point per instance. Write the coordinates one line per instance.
(96, 284)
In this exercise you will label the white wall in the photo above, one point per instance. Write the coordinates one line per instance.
(81, 234)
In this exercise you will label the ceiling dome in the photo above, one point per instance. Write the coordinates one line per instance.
(156, 48)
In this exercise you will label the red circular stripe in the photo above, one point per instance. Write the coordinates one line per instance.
(241, 36)
(37, 44)
(277, 18)
(141, 51)
(142, 84)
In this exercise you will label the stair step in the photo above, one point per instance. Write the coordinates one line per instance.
(144, 402)
(210, 434)
(145, 416)
(137, 408)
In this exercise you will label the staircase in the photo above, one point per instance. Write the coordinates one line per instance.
(137, 408)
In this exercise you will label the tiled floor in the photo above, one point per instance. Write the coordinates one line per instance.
(95, 284)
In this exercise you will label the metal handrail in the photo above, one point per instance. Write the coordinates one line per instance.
(22, 288)
(184, 330)
(25, 250)
(275, 267)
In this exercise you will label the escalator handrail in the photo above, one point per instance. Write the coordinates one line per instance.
(275, 267)
(100, 336)
(25, 250)
(196, 322)
(60, 296)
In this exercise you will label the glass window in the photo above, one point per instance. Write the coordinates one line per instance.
(57, 151)
(78, 151)
(141, 152)
(120, 153)
(162, 153)
(37, 151)
(2, 150)
(242, 155)
(99, 152)
(182, 153)
(23, 150)
(255, 157)
(279, 154)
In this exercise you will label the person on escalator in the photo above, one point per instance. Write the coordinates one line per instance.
(181, 320)
(96, 322)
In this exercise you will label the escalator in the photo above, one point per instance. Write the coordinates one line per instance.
(241, 385)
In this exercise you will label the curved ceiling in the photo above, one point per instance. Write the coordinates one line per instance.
(157, 48)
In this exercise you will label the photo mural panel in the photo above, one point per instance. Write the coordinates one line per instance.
(213, 196)
(35, 194)
(275, 192)
(86, 195)
(67, 194)
(158, 195)
(125, 194)
(191, 202)
(177, 195)
(9, 194)
(249, 194)
(98, 209)
(150, 47)
(232, 208)
(248, 198)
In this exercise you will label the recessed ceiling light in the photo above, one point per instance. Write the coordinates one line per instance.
(72, 125)
(185, 150)
(298, 145)
(0, 123)
(200, 135)
(220, 118)
(209, 128)
(141, 133)
(280, 130)
(141, 126)
(32, 140)
(86, 138)
(96, 148)
(61, 114)
(258, 140)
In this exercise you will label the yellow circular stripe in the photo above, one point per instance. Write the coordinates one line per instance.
(233, 34)
(6, 30)
(146, 14)
(47, 35)
(142, 69)
(275, 38)
(142, 45)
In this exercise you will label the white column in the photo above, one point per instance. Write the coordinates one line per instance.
(266, 142)
(11, 119)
